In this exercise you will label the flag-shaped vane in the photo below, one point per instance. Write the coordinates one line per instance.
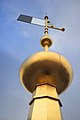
(32, 20)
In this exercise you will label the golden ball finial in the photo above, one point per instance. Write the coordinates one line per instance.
(46, 41)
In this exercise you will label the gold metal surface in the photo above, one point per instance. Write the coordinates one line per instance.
(46, 40)
(46, 67)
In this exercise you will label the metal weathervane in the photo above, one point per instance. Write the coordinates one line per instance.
(44, 23)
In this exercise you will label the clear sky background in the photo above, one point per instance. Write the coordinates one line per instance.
(20, 40)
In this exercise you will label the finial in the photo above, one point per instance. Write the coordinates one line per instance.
(46, 41)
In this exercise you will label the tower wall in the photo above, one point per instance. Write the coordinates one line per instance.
(45, 104)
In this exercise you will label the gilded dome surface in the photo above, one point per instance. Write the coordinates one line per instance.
(46, 67)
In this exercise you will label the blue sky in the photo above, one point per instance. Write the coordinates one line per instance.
(20, 40)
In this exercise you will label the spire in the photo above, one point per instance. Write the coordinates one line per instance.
(46, 75)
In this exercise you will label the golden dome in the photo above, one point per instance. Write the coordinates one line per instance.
(46, 67)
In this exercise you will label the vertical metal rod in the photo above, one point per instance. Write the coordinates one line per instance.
(46, 31)
(46, 48)
(46, 25)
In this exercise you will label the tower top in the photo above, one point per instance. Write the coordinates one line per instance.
(45, 67)
(45, 74)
